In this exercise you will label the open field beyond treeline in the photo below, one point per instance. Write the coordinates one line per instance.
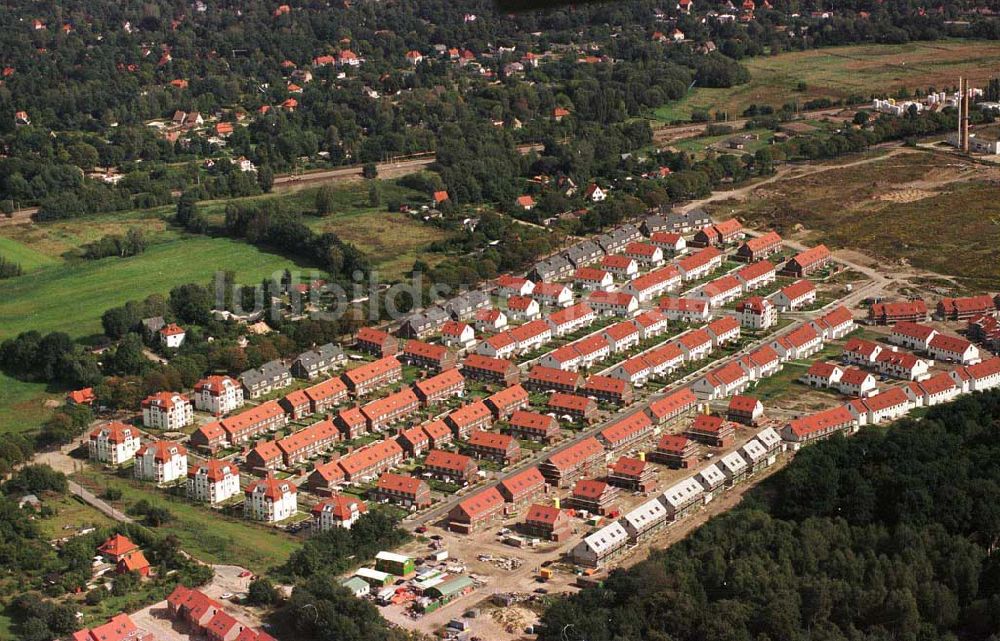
(921, 209)
(839, 72)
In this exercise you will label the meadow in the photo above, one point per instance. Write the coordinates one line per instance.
(205, 533)
(840, 72)
(917, 208)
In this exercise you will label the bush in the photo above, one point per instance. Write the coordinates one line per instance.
(112, 494)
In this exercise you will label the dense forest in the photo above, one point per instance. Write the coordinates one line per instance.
(891, 534)
(91, 76)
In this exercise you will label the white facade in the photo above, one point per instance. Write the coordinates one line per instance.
(270, 500)
(161, 462)
(213, 482)
(113, 443)
(218, 395)
(165, 411)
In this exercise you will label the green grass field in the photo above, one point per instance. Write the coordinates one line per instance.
(840, 72)
(30, 259)
(205, 533)
(23, 406)
(918, 208)
(71, 297)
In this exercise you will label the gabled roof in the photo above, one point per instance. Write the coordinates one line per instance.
(576, 453)
(949, 343)
(399, 483)
(451, 461)
(469, 414)
(589, 489)
(508, 396)
(546, 514)
(570, 402)
(798, 289)
(117, 545)
(481, 503)
(569, 314)
(673, 402)
(443, 381)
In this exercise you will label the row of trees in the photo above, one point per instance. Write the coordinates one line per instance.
(889, 534)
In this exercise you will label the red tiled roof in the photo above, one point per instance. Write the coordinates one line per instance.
(576, 453)
(948, 343)
(707, 424)
(553, 376)
(833, 417)
(424, 350)
(481, 503)
(812, 255)
(326, 389)
(764, 241)
(213, 469)
(497, 365)
(756, 270)
(508, 396)
(571, 313)
(532, 421)
(622, 429)
(669, 404)
(589, 489)
(445, 380)
(374, 454)
(372, 335)
(598, 383)
(571, 402)
(162, 450)
(590, 274)
(724, 325)
(451, 461)
(798, 289)
(546, 514)
(641, 249)
(627, 466)
(470, 413)
(491, 440)
(117, 545)
(339, 505)
(522, 481)
(889, 398)
(519, 303)
(400, 483)
(453, 329)
(369, 371)
(673, 443)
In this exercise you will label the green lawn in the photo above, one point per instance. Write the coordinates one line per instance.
(71, 511)
(23, 405)
(72, 297)
(839, 72)
(204, 533)
(29, 258)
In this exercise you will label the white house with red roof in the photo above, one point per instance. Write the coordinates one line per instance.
(801, 342)
(695, 344)
(338, 510)
(172, 335)
(822, 374)
(523, 308)
(162, 462)
(270, 500)
(622, 267)
(835, 324)
(720, 291)
(904, 365)
(213, 481)
(685, 310)
(458, 334)
(113, 443)
(644, 253)
(592, 278)
(622, 336)
(508, 285)
(414, 57)
(912, 335)
(888, 405)
(649, 286)
(953, 349)
(552, 294)
(671, 243)
(979, 377)
(756, 275)
(613, 303)
(594, 193)
(218, 395)
(651, 323)
(756, 312)
(167, 411)
(762, 363)
(722, 382)
(798, 294)
(857, 382)
(939, 388)
(723, 330)
(531, 335)
(499, 345)
(859, 351)
(570, 319)
(700, 264)
(490, 319)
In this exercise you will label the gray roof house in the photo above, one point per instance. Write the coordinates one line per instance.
(152, 325)
(676, 221)
(465, 305)
(551, 269)
(268, 377)
(583, 253)
(424, 323)
(615, 240)
(317, 362)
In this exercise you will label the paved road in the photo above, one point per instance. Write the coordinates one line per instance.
(103, 506)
